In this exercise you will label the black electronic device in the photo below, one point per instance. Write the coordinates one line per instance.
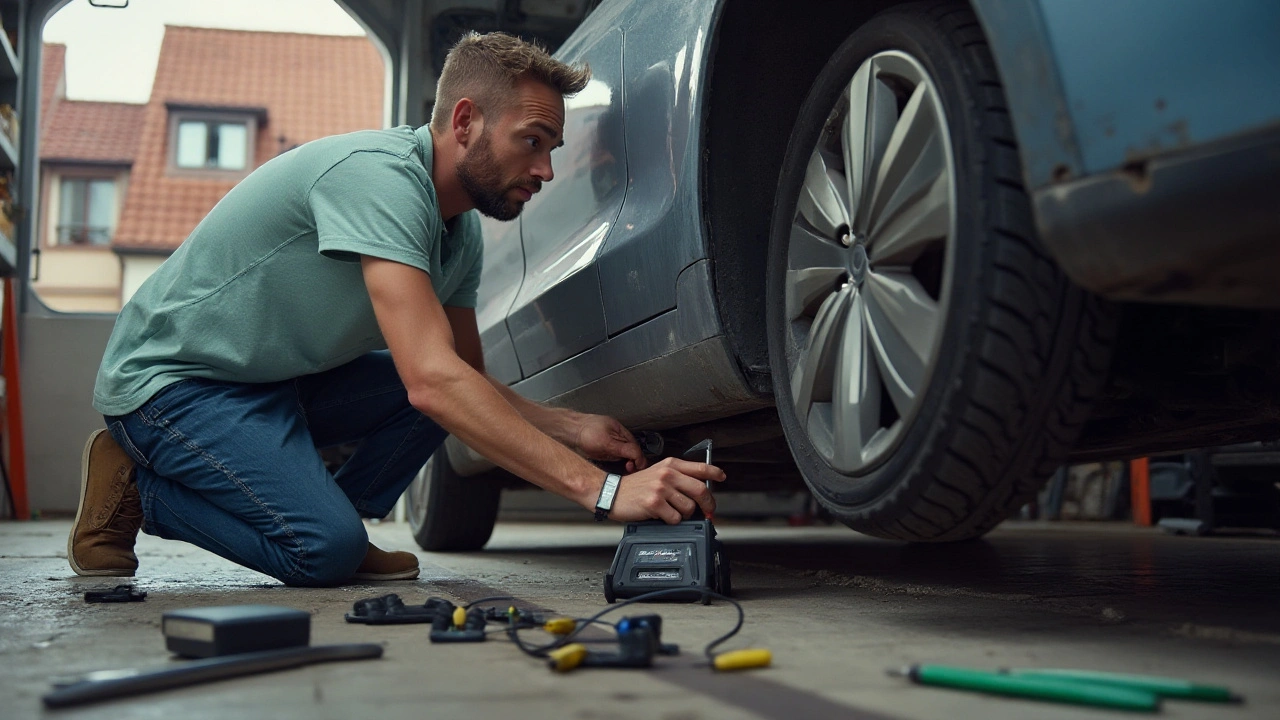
(212, 631)
(653, 555)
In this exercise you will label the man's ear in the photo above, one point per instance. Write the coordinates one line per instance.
(467, 121)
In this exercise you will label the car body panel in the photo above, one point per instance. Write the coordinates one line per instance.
(558, 311)
(1093, 85)
(1141, 79)
(501, 276)
(659, 230)
(1148, 133)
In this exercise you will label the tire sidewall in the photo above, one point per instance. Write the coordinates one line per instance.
(420, 514)
(923, 441)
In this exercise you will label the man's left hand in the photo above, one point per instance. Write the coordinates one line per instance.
(603, 438)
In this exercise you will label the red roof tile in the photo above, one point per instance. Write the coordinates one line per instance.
(53, 78)
(81, 131)
(310, 85)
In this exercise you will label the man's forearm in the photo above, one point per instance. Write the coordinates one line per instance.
(560, 423)
(483, 419)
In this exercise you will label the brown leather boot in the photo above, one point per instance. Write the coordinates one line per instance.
(110, 513)
(382, 565)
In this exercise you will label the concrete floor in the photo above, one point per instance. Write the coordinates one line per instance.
(836, 608)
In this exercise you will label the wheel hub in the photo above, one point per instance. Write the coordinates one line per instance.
(858, 263)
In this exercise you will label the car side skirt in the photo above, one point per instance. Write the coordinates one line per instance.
(1198, 227)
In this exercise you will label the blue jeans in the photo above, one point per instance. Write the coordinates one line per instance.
(234, 468)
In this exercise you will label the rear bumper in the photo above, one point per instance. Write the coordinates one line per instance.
(1200, 226)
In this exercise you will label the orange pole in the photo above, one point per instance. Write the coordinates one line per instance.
(1140, 490)
(13, 406)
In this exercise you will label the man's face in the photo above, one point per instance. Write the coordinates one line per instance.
(511, 158)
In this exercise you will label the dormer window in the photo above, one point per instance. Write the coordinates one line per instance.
(213, 144)
(202, 140)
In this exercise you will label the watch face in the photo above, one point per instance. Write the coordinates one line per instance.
(608, 491)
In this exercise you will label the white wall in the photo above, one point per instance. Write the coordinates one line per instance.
(137, 268)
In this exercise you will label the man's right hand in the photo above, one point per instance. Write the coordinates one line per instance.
(669, 490)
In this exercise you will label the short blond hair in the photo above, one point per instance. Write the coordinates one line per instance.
(486, 67)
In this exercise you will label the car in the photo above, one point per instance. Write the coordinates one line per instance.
(912, 257)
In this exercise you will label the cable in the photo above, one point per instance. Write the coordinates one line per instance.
(486, 599)
(540, 651)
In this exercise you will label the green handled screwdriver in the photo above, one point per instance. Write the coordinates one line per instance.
(1164, 687)
(1057, 690)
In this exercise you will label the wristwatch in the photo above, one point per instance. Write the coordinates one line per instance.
(607, 493)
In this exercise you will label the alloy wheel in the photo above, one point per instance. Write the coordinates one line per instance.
(869, 264)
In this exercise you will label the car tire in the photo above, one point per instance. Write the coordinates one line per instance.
(932, 365)
(448, 512)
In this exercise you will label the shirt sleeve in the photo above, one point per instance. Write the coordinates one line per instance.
(467, 294)
(372, 203)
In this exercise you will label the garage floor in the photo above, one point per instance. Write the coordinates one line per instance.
(836, 608)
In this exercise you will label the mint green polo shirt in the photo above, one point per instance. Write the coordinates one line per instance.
(268, 287)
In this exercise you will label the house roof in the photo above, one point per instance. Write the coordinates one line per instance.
(77, 131)
(310, 86)
(99, 132)
(53, 78)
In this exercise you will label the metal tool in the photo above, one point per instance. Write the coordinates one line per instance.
(117, 683)
(653, 555)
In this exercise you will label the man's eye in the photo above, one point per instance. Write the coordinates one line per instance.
(533, 141)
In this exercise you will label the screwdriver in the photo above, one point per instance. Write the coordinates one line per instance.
(704, 445)
(1038, 688)
(1162, 686)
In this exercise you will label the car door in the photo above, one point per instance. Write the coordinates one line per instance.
(558, 311)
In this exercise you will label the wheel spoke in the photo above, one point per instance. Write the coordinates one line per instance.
(904, 324)
(873, 110)
(822, 202)
(914, 146)
(914, 227)
(855, 400)
(815, 368)
(817, 267)
(807, 288)
(808, 249)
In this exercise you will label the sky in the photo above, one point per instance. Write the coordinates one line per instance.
(112, 53)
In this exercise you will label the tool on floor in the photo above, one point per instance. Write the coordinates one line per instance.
(391, 610)
(1037, 688)
(116, 683)
(1169, 688)
(118, 594)
(639, 640)
(459, 626)
(212, 631)
(653, 555)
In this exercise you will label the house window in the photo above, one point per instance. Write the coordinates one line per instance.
(212, 144)
(86, 211)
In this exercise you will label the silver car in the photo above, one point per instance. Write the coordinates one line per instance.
(913, 256)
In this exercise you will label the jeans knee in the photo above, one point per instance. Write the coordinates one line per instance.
(332, 558)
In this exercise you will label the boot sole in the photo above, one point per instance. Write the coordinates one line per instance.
(402, 575)
(71, 537)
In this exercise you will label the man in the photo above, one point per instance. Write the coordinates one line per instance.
(264, 337)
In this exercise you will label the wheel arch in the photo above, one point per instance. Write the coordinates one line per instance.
(757, 82)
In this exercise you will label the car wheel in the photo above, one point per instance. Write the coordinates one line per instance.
(448, 512)
(931, 365)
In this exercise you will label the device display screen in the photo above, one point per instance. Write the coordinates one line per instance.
(671, 554)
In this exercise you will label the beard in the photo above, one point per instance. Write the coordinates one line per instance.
(481, 178)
